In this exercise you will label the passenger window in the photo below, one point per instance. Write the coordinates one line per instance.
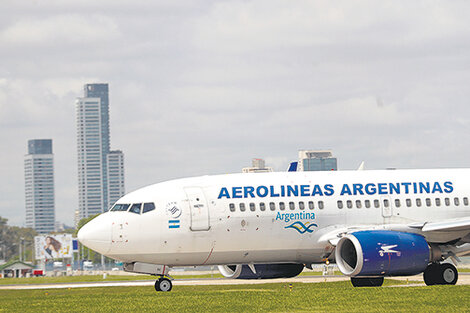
(282, 206)
(358, 204)
(438, 201)
(272, 206)
(376, 203)
(242, 207)
(311, 205)
(447, 201)
(418, 202)
(465, 201)
(397, 203)
(232, 207)
(301, 205)
(291, 205)
(386, 203)
(408, 202)
(456, 201)
(340, 204)
(252, 207)
(321, 205)
(367, 203)
(349, 204)
(135, 208)
(150, 207)
(262, 207)
(428, 202)
(120, 207)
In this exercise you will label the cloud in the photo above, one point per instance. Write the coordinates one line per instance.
(71, 29)
(203, 87)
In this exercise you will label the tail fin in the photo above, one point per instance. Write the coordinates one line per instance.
(292, 167)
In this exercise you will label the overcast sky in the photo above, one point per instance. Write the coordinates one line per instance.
(201, 87)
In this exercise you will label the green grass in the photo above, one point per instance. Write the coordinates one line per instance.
(318, 297)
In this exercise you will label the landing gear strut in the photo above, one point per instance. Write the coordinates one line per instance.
(440, 274)
(367, 281)
(163, 284)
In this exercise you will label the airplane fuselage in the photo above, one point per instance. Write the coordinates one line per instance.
(273, 217)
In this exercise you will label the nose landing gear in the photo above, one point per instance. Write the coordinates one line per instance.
(440, 274)
(163, 284)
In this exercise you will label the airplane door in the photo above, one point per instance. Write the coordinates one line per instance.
(386, 207)
(198, 208)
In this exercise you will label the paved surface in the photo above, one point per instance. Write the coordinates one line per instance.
(464, 279)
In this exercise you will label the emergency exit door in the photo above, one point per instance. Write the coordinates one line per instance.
(198, 208)
(387, 209)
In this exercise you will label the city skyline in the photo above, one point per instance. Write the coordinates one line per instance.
(203, 87)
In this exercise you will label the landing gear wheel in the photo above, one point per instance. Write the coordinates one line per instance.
(367, 281)
(431, 274)
(448, 274)
(163, 284)
(441, 274)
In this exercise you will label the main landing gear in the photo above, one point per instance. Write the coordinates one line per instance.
(367, 281)
(440, 274)
(163, 284)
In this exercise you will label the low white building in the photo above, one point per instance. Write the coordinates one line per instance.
(16, 269)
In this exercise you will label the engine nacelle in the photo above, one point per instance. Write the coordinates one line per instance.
(263, 271)
(382, 253)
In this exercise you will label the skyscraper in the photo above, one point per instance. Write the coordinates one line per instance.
(39, 186)
(101, 91)
(93, 151)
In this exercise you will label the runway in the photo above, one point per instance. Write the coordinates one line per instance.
(464, 279)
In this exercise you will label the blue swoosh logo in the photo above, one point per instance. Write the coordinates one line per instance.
(301, 227)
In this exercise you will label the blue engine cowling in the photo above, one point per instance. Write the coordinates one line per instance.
(263, 271)
(382, 253)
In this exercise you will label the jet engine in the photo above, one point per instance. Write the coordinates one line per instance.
(382, 253)
(261, 271)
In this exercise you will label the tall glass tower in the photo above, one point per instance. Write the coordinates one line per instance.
(93, 151)
(101, 91)
(39, 186)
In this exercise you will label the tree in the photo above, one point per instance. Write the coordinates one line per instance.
(12, 237)
(83, 221)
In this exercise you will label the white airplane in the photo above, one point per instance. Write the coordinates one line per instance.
(271, 225)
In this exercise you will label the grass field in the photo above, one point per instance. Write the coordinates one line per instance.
(318, 297)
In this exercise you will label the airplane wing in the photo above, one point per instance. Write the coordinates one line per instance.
(459, 224)
(452, 236)
(446, 231)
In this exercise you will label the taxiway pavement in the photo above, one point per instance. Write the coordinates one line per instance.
(464, 279)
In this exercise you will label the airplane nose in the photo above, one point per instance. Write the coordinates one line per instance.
(96, 234)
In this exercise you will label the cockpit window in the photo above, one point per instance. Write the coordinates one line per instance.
(148, 207)
(120, 207)
(135, 208)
